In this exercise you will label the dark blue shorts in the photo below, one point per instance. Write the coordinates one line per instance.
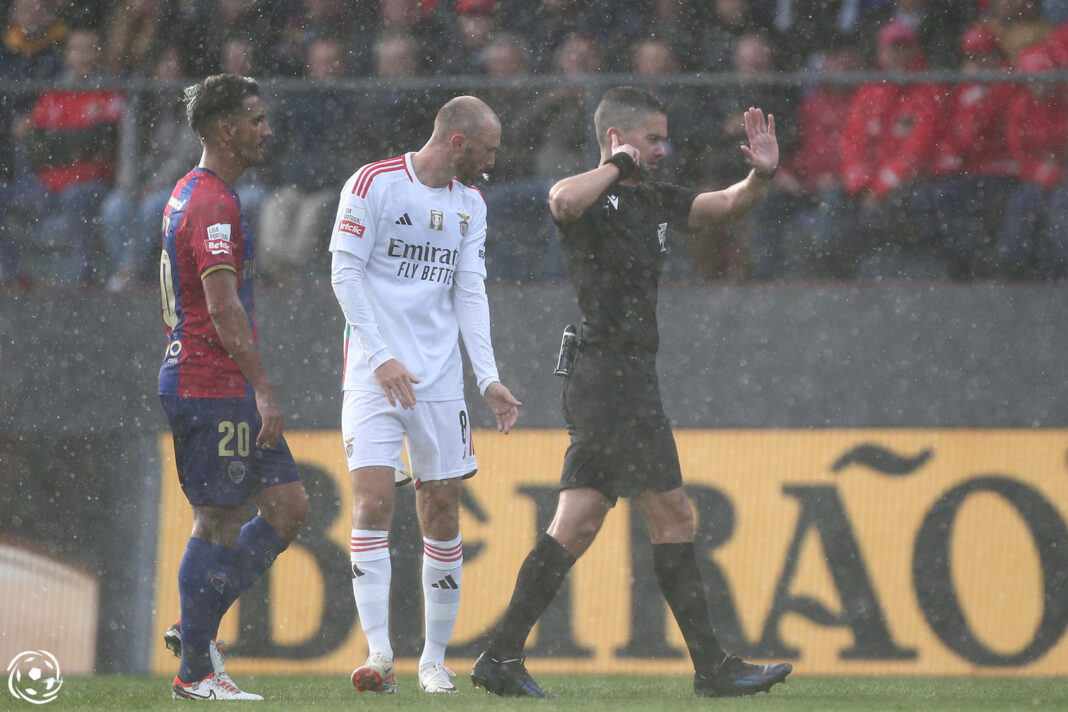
(219, 464)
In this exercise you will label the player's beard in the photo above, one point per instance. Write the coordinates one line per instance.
(257, 156)
(466, 169)
(254, 155)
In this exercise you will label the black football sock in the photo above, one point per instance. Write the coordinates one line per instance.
(539, 579)
(680, 582)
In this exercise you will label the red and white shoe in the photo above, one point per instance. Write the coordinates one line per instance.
(218, 662)
(375, 675)
(210, 688)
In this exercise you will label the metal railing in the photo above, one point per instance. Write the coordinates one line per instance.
(593, 84)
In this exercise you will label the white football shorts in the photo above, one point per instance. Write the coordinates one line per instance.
(436, 433)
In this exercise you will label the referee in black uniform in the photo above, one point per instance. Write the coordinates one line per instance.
(611, 223)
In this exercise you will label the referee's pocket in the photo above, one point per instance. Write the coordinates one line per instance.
(570, 396)
(563, 396)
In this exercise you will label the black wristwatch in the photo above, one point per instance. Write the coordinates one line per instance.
(624, 162)
(765, 176)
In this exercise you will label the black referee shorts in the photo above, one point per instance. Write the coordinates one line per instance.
(621, 442)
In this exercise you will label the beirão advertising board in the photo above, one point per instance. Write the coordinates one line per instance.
(847, 552)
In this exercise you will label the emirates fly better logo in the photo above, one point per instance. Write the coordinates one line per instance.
(33, 675)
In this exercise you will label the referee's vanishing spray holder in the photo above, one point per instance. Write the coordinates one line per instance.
(568, 344)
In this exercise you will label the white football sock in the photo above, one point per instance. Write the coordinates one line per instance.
(442, 563)
(371, 572)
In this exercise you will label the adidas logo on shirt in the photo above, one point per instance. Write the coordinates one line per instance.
(403, 220)
(447, 582)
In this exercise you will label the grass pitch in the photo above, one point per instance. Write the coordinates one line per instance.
(578, 693)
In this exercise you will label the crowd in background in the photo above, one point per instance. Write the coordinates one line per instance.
(958, 180)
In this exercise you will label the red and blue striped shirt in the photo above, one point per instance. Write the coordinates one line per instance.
(204, 230)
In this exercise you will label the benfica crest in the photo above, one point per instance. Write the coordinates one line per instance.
(463, 224)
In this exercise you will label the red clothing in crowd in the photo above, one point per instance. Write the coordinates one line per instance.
(974, 139)
(74, 136)
(1038, 135)
(819, 121)
(889, 136)
(1057, 44)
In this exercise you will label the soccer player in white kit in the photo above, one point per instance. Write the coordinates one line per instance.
(408, 269)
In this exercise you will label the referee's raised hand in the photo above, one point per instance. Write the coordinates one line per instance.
(763, 149)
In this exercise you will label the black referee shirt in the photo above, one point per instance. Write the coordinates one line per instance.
(614, 253)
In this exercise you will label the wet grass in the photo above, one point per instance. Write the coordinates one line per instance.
(619, 694)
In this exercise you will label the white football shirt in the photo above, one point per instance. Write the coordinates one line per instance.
(413, 239)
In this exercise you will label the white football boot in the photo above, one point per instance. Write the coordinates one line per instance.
(218, 662)
(209, 689)
(434, 678)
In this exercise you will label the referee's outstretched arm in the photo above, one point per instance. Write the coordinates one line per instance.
(734, 201)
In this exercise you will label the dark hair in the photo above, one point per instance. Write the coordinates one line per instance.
(624, 107)
(220, 96)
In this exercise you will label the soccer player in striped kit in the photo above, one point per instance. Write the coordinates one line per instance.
(227, 423)
(408, 268)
